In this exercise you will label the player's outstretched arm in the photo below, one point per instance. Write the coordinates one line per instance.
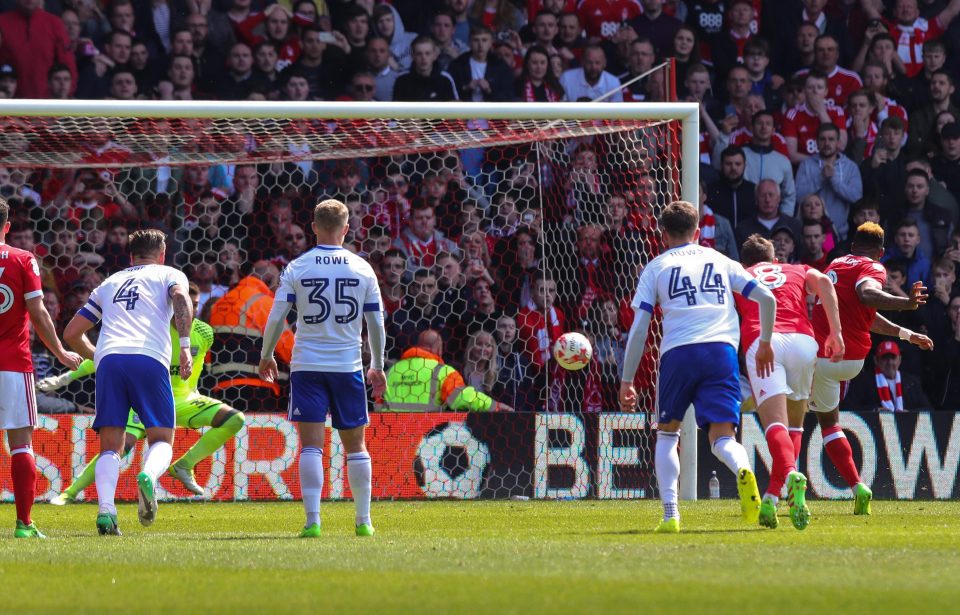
(820, 285)
(43, 325)
(872, 295)
(377, 338)
(636, 341)
(183, 321)
(271, 336)
(882, 326)
(54, 383)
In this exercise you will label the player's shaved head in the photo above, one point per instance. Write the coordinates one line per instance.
(330, 216)
(755, 250)
(147, 243)
(680, 220)
(867, 239)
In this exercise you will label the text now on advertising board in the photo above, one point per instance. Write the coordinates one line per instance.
(465, 456)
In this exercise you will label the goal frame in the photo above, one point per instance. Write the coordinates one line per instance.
(688, 114)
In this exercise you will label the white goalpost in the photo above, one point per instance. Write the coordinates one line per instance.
(512, 167)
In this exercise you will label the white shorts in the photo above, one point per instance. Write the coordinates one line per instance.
(18, 400)
(795, 356)
(827, 380)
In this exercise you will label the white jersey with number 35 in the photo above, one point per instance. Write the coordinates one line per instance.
(694, 286)
(136, 309)
(332, 288)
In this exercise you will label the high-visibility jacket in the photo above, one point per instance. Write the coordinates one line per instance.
(238, 320)
(421, 382)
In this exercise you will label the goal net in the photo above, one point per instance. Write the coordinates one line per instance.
(499, 227)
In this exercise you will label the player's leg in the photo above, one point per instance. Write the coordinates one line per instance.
(113, 404)
(675, 390)
(134, 431)
(309, 403)
(18, 417)
(825, 402)
(153, 397)
(796, 411)
(770, 393)
(196, 412)
(717, 402)
(348, 409)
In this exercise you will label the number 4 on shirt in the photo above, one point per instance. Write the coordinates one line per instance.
(127, 294)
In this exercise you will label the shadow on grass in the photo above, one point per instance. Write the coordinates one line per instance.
(639, 532)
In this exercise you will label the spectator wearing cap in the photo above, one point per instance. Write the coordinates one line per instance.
(784, 244)
(768, 219)
(8, 81)
(425, 81)
(946, 165)
(481, 76)
(591, 81)
(887, 389)
(831, 175)
(33, 41)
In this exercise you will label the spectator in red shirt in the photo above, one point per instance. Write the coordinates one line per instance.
(801, 123)
(602, 18)
(910, 30)
(840, 81)
(541, 323)
(33, 41)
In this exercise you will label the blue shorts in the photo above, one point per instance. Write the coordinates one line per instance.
(343, 394)
(705, 375)
(133, 381)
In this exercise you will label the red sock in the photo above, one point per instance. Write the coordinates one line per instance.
(23, 468)
(840, 453)
(796, 434)
(784, 459)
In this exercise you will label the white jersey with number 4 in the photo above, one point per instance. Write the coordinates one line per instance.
(332, 288)
(694, 286)
(136, 309)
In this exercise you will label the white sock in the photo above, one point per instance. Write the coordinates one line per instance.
(311, 482)
(157, 460)
(667, 462)
(731, 453)
(359, 473)
(107, 472)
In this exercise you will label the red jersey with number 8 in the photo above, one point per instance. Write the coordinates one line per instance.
(19, 281)
(847, 273)
(788, 283)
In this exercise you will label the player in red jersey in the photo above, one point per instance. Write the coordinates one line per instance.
(859, 280)
(21, 302)
(795, 350)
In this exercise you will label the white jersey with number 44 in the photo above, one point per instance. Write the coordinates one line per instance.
(693, 286)
(332, 288)
(136, 309)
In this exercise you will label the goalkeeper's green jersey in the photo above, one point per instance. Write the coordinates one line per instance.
(201, 339)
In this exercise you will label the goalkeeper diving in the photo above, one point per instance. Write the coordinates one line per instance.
(193, 411)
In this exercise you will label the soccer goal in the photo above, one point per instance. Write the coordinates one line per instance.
(514, 223)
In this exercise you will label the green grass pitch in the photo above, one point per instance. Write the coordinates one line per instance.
(485, 557)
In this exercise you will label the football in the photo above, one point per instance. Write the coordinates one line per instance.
(572, 351)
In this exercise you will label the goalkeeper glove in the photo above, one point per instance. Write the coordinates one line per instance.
(52, 383)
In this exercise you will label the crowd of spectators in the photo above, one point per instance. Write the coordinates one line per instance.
(816, 115)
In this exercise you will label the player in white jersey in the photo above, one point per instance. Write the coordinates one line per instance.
(694, 287)
(132, 359)
(331, 287)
